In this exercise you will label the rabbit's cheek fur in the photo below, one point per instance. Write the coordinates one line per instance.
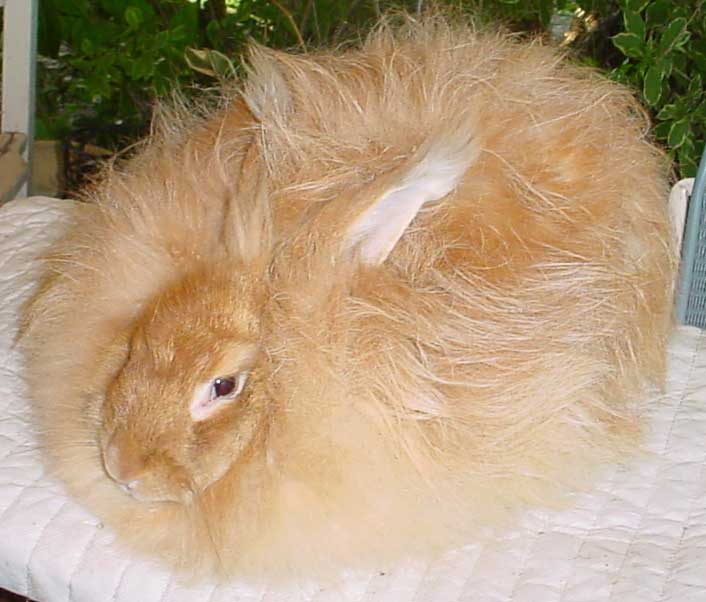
(222, 442)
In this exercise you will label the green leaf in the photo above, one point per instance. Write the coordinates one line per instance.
(688, 156)
(629, 44)
(187, 18)
(631, 5)
(634, 24)
(625, 73)
(87, 46)
(636, 5)
(687, 167)
(652, 86)
(142, 68)
(209, 62)
(133, 16)
(681, 12)
(198, 60)
(214, 33)
(661, 130)
(162, 40)
(699, 61)
(695, 90)
(665, 64)
(97, 87)
(222, 65)
(681, 63)
(657, 13)
(677, 133)
(700, 112)
(668, 112)
(689, 146)
(674, 35)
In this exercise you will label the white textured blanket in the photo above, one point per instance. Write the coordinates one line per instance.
(638, 536)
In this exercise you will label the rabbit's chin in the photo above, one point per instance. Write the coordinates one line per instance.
(162, 495)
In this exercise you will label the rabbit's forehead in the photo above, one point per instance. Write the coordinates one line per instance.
(202, 359)
(236, 356)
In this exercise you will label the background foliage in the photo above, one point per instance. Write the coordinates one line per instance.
(103, 62)
(663, 44)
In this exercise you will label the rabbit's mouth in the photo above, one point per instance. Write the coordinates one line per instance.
(145, 490)
(139, 493)
(132, 474)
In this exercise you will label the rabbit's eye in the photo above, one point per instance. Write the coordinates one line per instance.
(223, 386)
(210, 397)
(228, 386)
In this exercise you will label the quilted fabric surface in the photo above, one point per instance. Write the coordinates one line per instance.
(638, 536)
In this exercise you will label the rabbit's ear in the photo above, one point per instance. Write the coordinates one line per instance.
(433, 172)
(246, 231)
(266, 88)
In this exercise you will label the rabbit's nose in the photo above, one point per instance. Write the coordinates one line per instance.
(123, 461)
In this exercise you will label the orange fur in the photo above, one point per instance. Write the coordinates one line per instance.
(403, 392)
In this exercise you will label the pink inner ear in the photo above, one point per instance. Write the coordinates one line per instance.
(376, 232)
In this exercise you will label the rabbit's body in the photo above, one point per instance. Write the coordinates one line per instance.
(410, 376)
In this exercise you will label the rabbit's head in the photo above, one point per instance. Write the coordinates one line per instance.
(189, 398)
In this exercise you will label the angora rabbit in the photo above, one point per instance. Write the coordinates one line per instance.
(378, 299)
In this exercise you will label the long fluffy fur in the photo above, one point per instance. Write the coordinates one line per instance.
(489, 363)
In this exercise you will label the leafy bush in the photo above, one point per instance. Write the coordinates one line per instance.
(664, 48)
(103, 62)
